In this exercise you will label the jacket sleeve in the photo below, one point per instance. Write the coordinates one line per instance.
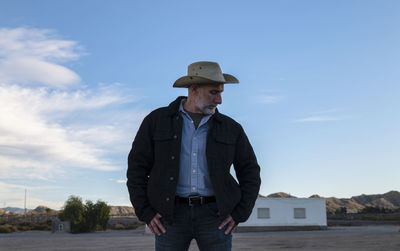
(248, 174)
(140, 162)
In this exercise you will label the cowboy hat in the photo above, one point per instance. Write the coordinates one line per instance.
(205, 73)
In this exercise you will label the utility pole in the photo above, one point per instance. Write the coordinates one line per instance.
(25, 203)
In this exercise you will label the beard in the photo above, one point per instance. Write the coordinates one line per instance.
(206, 109)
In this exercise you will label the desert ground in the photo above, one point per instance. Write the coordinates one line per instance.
(334, 238)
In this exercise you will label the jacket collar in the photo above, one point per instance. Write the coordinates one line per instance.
(174, 109)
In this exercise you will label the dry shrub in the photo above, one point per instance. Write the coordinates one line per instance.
(23, 228)
(7, 228)
(118, 226)
(134, 225)
(42, 226)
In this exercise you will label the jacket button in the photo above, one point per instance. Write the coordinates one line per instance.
(171, 178)
(172, 157)
(167, 199)
(175, 137)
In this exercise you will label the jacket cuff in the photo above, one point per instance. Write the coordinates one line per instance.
(236, 217)
(148, 215)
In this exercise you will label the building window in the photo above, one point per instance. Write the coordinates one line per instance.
(263, 213)
(299, 213)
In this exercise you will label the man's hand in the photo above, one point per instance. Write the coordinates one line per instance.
(155, 225)
(231, 225)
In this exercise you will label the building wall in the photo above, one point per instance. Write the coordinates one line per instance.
(281, 212)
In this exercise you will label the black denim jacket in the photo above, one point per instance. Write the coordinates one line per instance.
(153, 165)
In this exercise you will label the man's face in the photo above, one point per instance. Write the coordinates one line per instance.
(208, 97)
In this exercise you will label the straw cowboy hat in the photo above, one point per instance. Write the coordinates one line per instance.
(205, 73)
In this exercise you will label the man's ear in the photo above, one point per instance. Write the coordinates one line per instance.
(193, 89)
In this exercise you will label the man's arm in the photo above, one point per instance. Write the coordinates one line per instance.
(140, 162)
(248, 174)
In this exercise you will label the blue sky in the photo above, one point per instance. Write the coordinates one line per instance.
(318, 92)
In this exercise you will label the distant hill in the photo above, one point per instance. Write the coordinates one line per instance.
(4, 212)
(41, 210)
(390, 200)
(15, 210)
(122, 211)
(280, 195)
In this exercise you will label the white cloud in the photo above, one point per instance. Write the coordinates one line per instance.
(268, 99)
(46, 128)
(24, 70)
(32, 56)
(321, 116)
(37, 43)
(119, 181)
(318, 119)
(13, 195)
(29, 138)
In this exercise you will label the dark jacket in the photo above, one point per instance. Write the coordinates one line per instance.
(153, 165)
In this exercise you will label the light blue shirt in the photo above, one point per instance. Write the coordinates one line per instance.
(193, 171)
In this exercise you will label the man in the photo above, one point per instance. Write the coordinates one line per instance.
(179, 177)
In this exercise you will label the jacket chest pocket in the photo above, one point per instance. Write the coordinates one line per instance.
(225, 149)
(163, 145)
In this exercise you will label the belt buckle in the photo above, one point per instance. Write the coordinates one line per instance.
(195, 197)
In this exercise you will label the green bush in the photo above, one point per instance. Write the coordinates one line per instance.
(85, 218)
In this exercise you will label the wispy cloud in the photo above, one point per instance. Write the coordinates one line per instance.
(119, 181)
(48, 123)
(13, 195)
(321, 116)
(318, 119)
(32, 56)
(268, 98)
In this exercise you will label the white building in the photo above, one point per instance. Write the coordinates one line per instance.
(287, 214)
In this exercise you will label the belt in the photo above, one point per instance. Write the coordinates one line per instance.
(195, 200)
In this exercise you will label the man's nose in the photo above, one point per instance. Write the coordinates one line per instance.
(218, 99)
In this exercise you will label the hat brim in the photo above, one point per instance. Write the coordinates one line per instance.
(187, 81)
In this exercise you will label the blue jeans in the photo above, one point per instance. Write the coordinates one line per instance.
(199, 222)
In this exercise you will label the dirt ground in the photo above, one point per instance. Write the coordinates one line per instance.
(335, 238)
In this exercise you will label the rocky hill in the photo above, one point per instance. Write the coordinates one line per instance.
(390, 200)
(122, 211)
(4, 212)
(280, 195)
(43, 210)
(15, 210)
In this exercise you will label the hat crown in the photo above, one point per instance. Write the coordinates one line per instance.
(205, 69)
(203, 73)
